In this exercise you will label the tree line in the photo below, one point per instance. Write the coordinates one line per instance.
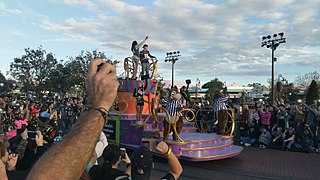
(39, 71)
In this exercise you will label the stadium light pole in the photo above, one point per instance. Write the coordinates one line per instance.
(273, 42)
(172, 57)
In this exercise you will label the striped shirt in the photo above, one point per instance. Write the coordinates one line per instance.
(173, 106)
(219, 104)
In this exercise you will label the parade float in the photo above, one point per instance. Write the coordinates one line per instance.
(196, 142)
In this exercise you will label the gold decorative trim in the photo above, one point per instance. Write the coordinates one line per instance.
(202, 140)
(215, 156)
(206, 148)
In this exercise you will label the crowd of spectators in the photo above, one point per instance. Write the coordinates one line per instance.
(30, 127)
(283, 126)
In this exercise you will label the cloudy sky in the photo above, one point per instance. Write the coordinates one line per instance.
(216, 38)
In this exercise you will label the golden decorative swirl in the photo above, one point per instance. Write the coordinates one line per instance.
(171, 124)
(185, 114)
(232, 119)
(153, 67)
(154, 113)
(125, 98)
(128, 66)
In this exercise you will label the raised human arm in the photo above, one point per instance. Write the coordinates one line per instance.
(175, 166)
(315, 111)
(68, 158)
(23, 145)
(128, 162)
(141, 43)
(27, 111)
(298, 110)
(151, 55)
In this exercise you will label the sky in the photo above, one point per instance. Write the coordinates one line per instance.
(216, 38)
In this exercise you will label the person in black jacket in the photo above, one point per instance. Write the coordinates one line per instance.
(109, 169)
(144, 58)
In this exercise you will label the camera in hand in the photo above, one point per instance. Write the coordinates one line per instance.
(99, 67)
(153, 144)
(32, 134)
(123, 153)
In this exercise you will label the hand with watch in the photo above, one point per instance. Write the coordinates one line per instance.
(164, 149)
(101, 82)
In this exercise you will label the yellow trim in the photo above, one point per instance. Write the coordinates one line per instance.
(206, 148)
(202, 140)
(133, 114)
(215, 156)
(153, 130)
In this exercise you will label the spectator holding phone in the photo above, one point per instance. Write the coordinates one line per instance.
(33, 152)
(8, 161)
(109, 170)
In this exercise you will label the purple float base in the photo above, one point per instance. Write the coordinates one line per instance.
(204, 147)
(195, 146)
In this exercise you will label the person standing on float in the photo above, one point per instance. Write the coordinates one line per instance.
(136, 55)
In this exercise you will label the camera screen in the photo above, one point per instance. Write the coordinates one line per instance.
(32, 134)
(123, 153)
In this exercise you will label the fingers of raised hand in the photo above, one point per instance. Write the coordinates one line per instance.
(106, 69)
(162, 147)
(93, 67)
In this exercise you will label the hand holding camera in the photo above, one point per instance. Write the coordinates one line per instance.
(101, 82)
(39, 138)
(24, 134)
(124, 156)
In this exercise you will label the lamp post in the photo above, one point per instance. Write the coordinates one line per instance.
(172, 57)
(272, 43)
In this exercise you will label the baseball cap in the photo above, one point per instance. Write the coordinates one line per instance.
(141, 164)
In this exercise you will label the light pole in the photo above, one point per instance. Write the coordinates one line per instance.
(272, 43)
(172, 57)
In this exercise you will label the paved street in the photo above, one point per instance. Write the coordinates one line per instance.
(252, 163)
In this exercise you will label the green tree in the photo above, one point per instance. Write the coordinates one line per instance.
(312, 93)
(33, 69)
(79, 64)
(212, 86)
(59, 80)
(3, 83)
(306, 79)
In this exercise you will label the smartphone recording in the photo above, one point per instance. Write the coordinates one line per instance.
(99, 67)
(31, 134)
(123, 153)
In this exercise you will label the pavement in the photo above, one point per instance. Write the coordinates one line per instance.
(252, 163)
